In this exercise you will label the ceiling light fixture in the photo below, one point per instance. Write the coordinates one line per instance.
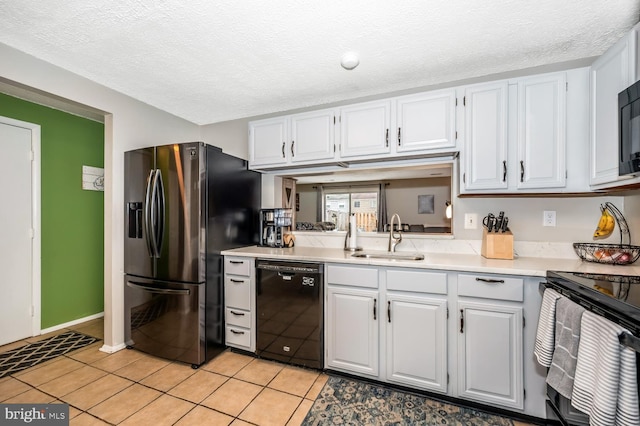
(349, 60)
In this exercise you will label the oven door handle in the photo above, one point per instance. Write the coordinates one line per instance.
(630, 341)
(139, 286)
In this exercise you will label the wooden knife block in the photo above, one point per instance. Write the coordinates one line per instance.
(497, 245)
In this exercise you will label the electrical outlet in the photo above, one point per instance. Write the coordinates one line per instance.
(549, 218)
(470, 221)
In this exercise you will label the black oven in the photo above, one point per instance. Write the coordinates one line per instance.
(629, 130)
(615, 297)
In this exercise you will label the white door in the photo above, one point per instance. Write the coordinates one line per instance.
(485, 153)
(417, 341)
(541, 131)
(490, 366)
(426, 121)
(364, 129)
(17, 307)
(352, 330)
(312, 136)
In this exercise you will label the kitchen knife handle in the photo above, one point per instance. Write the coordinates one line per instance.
(504, 170)
(521, 171)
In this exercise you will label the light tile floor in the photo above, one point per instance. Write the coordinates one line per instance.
(132, 388)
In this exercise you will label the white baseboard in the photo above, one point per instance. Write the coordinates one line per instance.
(111, 349)
(72, 323)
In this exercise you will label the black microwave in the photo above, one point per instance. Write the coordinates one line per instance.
(629, 130)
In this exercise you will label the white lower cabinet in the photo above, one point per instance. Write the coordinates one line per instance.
(416, 341)
(490, 339)
(419, 328)
(352, 330)
(239, 302)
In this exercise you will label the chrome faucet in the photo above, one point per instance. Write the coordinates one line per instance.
(394, 241)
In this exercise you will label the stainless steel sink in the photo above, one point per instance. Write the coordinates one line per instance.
(397, 256)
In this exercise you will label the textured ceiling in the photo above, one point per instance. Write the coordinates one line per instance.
(209, 61)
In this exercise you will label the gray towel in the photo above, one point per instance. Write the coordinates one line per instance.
(567, 337)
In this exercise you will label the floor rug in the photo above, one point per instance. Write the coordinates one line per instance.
(34, 353)
(349, 402)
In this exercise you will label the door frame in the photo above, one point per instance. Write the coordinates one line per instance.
(36, 268)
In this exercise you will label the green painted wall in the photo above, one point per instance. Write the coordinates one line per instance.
(72, 219)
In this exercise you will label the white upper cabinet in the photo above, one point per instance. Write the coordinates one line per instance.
(426, 121)
(364, 129)
(611, 73)
(268, 142)
(541, 131)
(485, 146)
(515, 135)
(312, 136)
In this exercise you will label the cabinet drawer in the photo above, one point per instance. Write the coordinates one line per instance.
(491, 287)
(352, 276)
(238, 266)
(237, 292)
(238, 336)
(417, 281)
(238, 317)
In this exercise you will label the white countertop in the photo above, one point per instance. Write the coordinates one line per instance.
(529, 266)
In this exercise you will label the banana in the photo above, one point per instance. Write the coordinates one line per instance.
(605, 225)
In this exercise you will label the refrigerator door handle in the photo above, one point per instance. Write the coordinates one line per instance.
(148, 231)
(154, 215)
(161, 213)
(148, 289)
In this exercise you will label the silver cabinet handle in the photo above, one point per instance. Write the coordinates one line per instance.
(490, 280)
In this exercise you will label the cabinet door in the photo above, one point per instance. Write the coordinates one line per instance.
(542, 131)
(611, 73)
(268, 142)
(364, 129)
(416, 346)
(352, 330)
(485, 153)
(312, 136)
(426, 121)
(490, 365)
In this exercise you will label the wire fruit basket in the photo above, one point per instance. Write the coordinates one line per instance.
(613, 254)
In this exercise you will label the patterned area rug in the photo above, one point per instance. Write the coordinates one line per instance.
(44, 350)
(348, 402)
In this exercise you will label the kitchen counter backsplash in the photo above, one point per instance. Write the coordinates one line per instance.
(426, 244)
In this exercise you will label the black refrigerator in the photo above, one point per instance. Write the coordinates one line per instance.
(185, 203)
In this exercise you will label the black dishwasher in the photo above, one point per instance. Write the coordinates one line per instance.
(289, 312)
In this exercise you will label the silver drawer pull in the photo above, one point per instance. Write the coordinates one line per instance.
(236, 332)
(236, 281)
(240, 314)
(489, 280)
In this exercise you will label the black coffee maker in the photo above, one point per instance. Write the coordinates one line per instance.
(274, 224)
